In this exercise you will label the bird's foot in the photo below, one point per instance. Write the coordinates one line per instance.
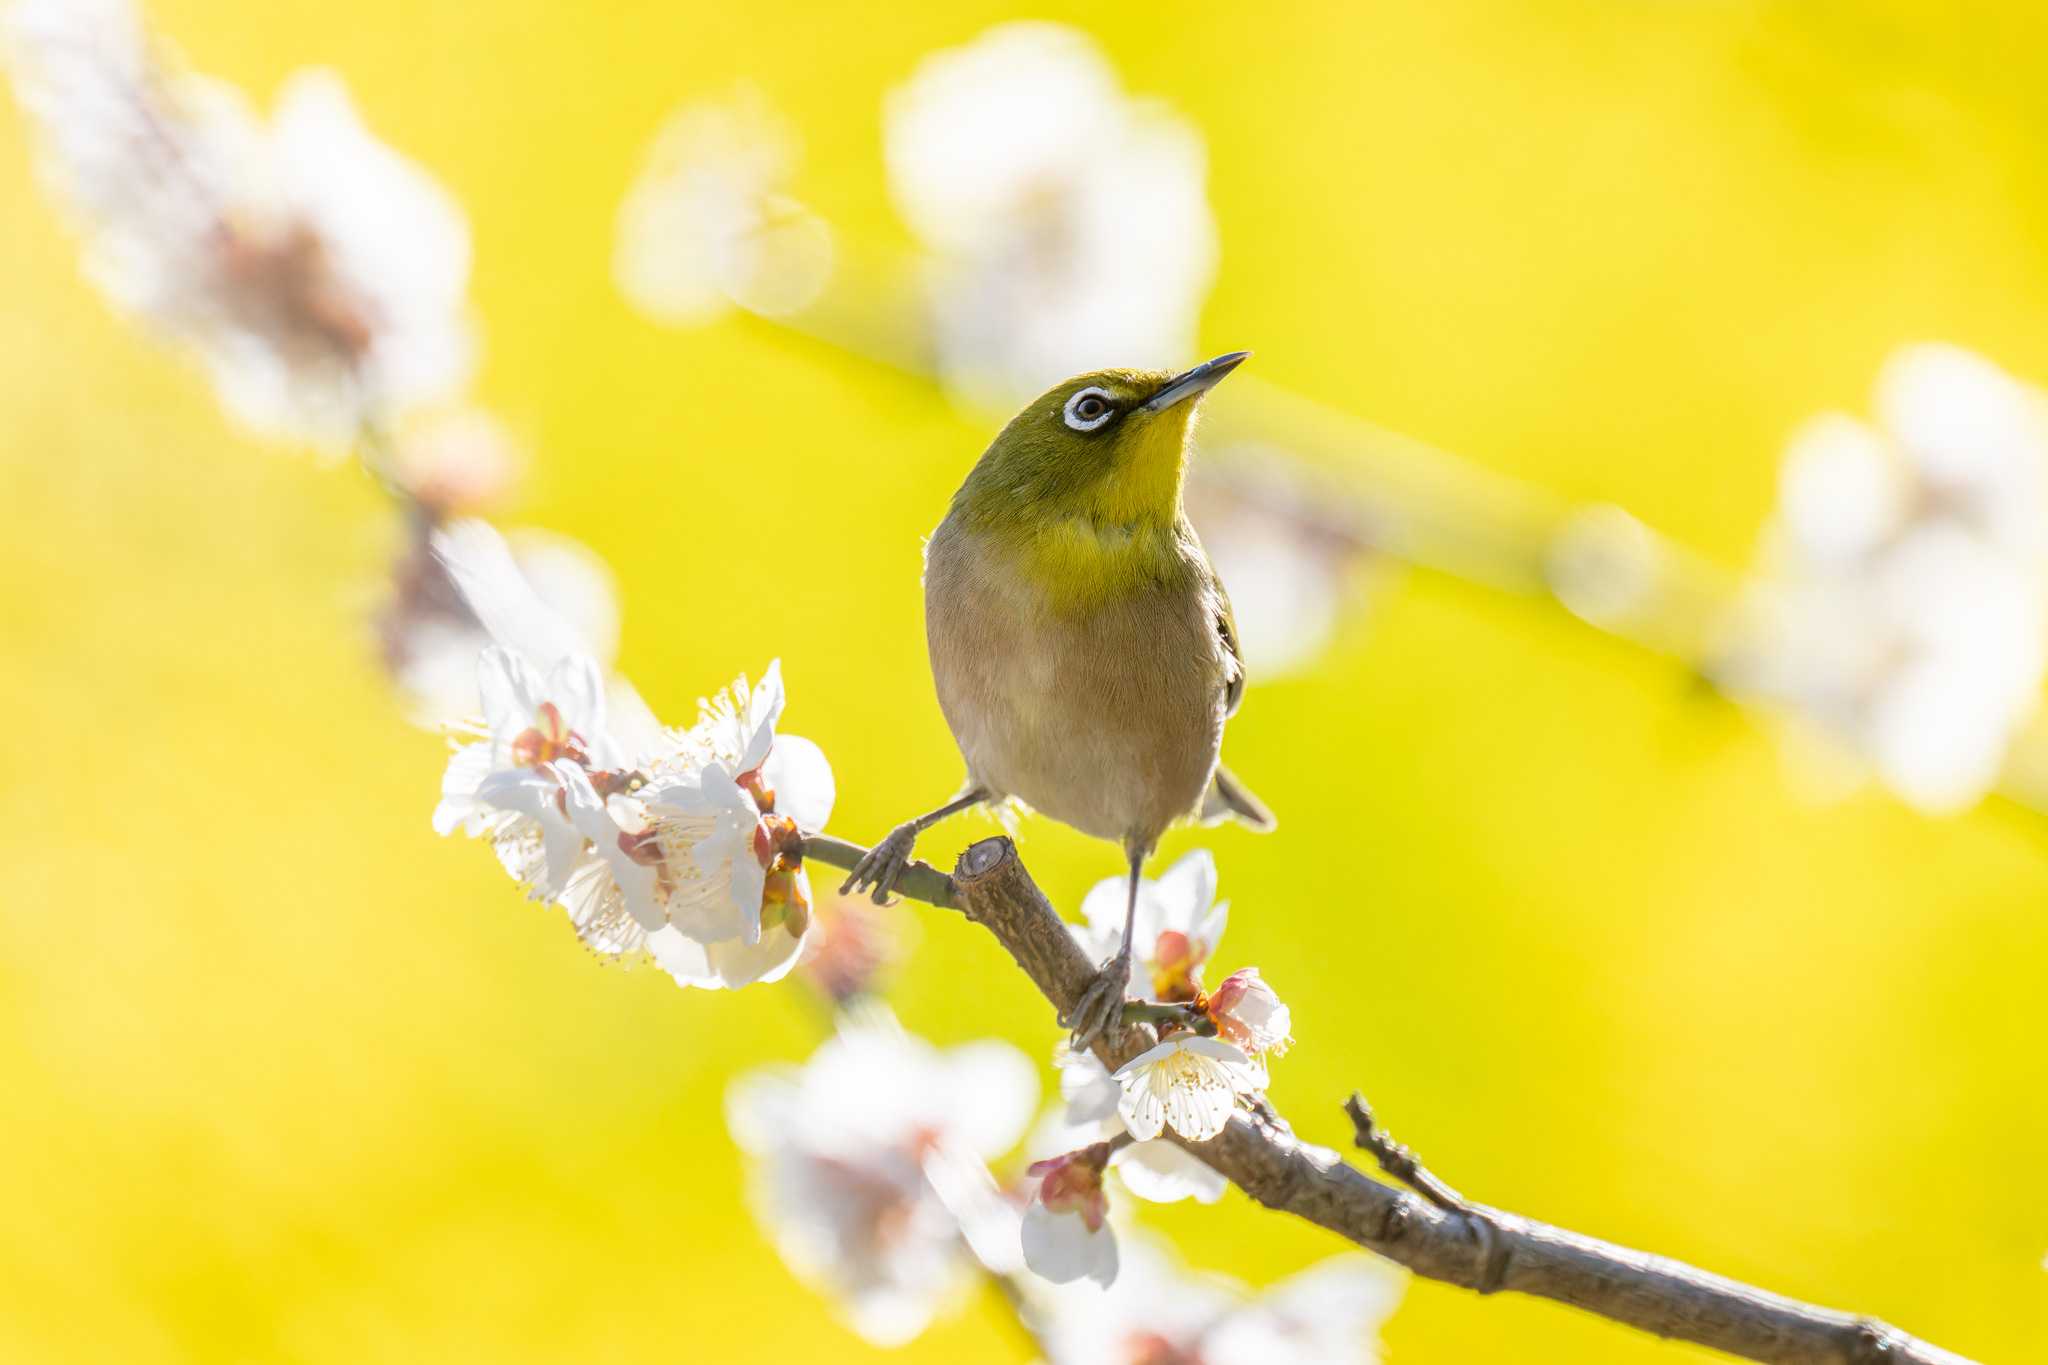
(883, 864)
(1101, 1006)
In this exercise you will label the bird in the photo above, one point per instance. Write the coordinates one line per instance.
(1081, 644)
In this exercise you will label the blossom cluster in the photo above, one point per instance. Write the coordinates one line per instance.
(1902, 607)
(1160, 1311)
(317, 275)
(1062, 225)
(709, 222)
(1066, 222)
(869, 1159)
(680, 844)
(320, 278)
(870, 1169)
(1188, 1085)
(872, 1159)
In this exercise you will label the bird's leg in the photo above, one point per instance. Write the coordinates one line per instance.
(885, 862)
(1102, 1004)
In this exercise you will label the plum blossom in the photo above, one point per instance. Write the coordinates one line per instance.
(1065, 1230)
(697, 861)
(504, 785)
(683, 844)
(317, 275)
(707, 223)
(1248, 1014)
(841, 1148)
(1902, 607)
(1159, 1313)
(1157, 1170)
(1067, 222)
(1188, 1083)
(1177, 927)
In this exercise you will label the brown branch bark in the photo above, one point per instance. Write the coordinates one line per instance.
(1430, 1229)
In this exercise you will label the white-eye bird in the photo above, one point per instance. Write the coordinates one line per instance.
(1082, 645)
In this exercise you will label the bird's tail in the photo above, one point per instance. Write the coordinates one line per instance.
(1230, 799)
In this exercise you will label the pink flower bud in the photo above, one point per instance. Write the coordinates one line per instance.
(1248, 1013)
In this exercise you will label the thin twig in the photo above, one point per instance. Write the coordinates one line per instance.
(1436, 1232)
(1402, 1164)
(920, 881)
(1399, 1162)
(1157, 1012)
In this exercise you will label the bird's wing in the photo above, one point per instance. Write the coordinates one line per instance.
(1233, 663)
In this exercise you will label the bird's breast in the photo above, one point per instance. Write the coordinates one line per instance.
(1100, 707)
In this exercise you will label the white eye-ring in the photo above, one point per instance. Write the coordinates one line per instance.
(1089, 409)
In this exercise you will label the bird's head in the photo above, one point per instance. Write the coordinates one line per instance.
(1109, 445)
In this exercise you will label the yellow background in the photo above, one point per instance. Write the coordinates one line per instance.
(288, 1078)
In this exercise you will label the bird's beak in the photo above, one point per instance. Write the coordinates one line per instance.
(1199, 380)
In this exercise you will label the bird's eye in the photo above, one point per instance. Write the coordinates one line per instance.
(1089, 409)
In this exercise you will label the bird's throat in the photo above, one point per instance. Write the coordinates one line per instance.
(1083, 563)
(1123, 536)
(1145, 484)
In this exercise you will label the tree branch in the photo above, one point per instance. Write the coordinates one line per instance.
(1434, 1232)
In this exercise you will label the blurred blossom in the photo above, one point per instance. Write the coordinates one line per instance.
(841, 1148)
(707, 224)
(1176, 929)
(1065, 1230)
(429, 638)
(1157, 1313)
(318, 275)
(1068, 222)
(1903, 603)
(1158, 1170)
(1285, 550)
(682, 844)
(1188, 1084)
(853, 943)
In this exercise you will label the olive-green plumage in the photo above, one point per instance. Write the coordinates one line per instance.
(1081, 643)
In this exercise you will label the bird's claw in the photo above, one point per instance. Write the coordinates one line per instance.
(1101, 1006)
(882, 865)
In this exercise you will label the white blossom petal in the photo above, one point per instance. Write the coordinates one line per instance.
(797, 771)
(1061, 1248)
